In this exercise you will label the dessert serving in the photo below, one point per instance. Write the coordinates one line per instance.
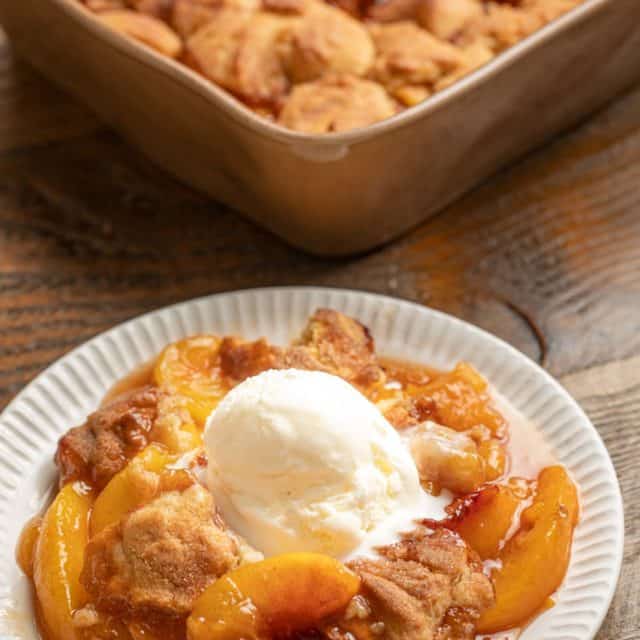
(235, 489)
(319, 67)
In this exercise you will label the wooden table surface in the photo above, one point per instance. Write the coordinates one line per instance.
(545, 255)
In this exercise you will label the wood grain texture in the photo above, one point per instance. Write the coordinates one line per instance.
(546, 255)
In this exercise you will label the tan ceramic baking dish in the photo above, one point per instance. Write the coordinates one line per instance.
(348, 192)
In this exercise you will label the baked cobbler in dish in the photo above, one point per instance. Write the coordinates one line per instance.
(238, 490)
(318, 67)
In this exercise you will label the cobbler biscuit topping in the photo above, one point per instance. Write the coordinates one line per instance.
(322, 67)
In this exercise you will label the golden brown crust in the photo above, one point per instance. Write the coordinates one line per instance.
(408, 56)
(505, 26)
(434, 547)
(330, 342)
(157, 8)
(404, 617)
(549, 10)
(144, 28)
(474, 55)
(448, 19)
(261, 75)
(338, 344)
(240, 360)
(355, 8)
(103, 445)
(286, 7)
(104, 5)
(327, 40)
(420, 581)
(336, 103)
(241, 51)
(159, 558)
(393, 10)
(187, 16)
(213, 48)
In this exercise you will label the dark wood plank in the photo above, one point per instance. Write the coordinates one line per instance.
(545, 255)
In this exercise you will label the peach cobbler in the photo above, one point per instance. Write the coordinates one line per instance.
(238, 490)
(321, 66)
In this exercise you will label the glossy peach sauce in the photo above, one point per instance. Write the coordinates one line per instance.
(139, 377)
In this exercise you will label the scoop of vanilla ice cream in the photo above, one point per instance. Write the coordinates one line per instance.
(301, 461)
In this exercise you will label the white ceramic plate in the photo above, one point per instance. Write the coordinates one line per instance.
(71, 388)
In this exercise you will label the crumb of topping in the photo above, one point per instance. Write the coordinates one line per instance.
(407, 55)
(331, 342)
(103, 445)
(338, 344)
(328, 40)
(187, 16)
(420, 584)
(242, 51)
(335, 103)
(447, 19)
(159, 558)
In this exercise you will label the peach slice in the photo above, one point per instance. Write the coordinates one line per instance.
(275, 597)
(494, 455)
(58, 559)
(461, 400)
(191, 368)
(535, 560)
(447, 458)
(130, 488)
(26, 546)
(484, 519)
